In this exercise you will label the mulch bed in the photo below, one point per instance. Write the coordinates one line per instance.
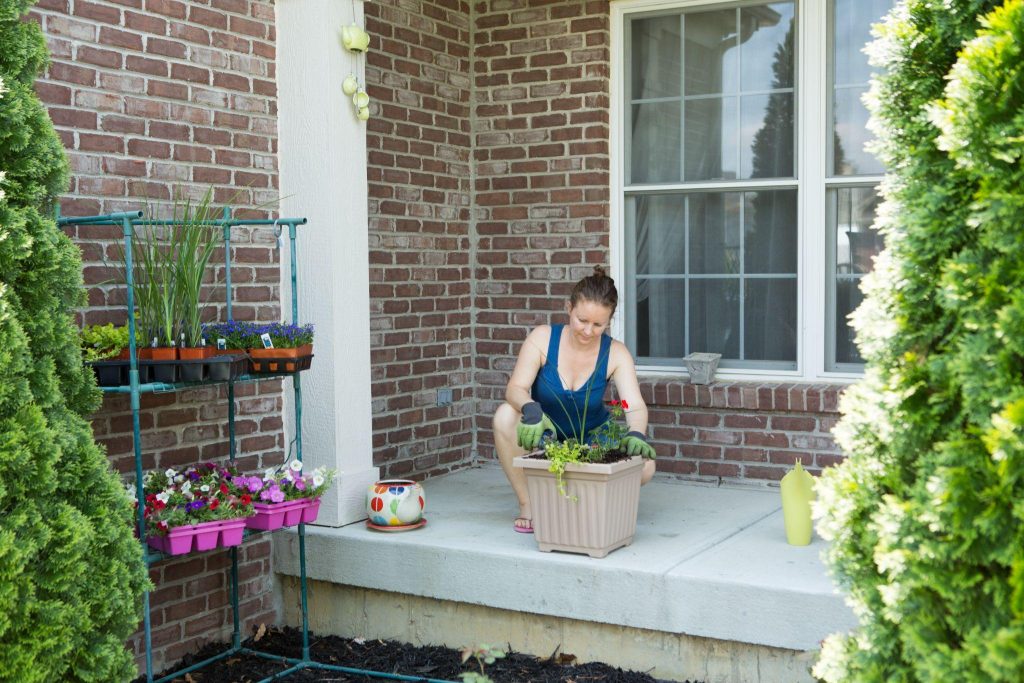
(390, 657)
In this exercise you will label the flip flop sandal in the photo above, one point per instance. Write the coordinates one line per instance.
(522, 529)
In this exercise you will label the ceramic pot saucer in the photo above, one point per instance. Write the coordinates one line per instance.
(400, 527)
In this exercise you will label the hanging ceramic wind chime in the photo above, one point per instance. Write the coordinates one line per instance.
(356, 41)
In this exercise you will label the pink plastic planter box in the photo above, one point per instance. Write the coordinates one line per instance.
(271, 516)
(199, 537)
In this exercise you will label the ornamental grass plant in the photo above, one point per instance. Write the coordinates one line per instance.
(71, 572)
(924, 518)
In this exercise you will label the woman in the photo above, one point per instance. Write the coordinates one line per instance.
(558, 386)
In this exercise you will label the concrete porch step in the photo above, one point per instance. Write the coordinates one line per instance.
(709, 576)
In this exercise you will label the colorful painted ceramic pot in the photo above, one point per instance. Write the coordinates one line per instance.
(395, 502)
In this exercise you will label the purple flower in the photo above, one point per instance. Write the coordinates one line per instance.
(253, 484)
(276, 495)
(265, 495)
(194, 505)
(300, 484)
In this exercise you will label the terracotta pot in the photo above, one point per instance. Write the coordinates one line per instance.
(194, 352)
(164, 353)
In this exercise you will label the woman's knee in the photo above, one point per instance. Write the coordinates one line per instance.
(505, 418)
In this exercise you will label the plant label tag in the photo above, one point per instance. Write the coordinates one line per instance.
(268, 343)
(222, 344)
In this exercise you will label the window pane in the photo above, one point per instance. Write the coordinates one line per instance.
(711, 145)
(655, 57)
(850, 125)
(848, 298)
(851, 21)
(766, 46)
(715, 233)
(654, 153)
(660, 231)
(712, 59)
(766, 135)
(770, 232)
(856, 243)
(715, 317)
(769, 319)
(854, 19)
(660, 312)
(851, 212)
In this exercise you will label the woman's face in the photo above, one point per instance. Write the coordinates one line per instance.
(588, 320)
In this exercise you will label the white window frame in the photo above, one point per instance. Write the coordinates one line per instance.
(812, 97)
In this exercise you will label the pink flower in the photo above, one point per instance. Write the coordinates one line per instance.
(276, 495)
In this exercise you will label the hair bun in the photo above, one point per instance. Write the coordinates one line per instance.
(599, 271)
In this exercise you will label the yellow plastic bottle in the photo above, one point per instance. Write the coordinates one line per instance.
(797, 494)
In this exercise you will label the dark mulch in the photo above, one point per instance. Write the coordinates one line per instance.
(390, 657)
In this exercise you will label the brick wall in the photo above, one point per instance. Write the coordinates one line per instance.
(542, 158)
(154, 97)
(420, 252)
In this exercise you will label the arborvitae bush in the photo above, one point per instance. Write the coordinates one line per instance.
(926, 517)
(71, 573)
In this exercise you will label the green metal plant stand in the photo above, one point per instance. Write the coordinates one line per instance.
(128, 222)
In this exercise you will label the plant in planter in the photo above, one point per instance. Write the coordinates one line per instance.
(284, 496)
(105, 342)
(585, 490)
(195, 238)
(231, 337)
(197, 508)
(287, 342)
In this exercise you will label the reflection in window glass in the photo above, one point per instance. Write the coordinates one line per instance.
(715, 233)
(769, 319)
(655, 150)
(655, 44)
(850, 75)
(660, 318)
(660, 222)
(715, 316)
(712, 58)
(770, 232)
(851, 212)
(766, 46)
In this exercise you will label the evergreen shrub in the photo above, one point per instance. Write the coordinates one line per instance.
(926, 516)
(71, 573)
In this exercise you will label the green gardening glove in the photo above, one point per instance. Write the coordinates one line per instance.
(635, 443)
(531, 428)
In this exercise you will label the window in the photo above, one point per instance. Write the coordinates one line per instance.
(713, 188)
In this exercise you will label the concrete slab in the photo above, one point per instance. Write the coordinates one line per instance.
(706, 561)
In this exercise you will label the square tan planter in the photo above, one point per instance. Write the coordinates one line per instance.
(603, 516)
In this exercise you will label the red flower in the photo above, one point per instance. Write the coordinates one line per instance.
(246, 499)
(625, 406)
(214, 504)
(223, 488)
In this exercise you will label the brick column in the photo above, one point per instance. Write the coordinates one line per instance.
(323, 177)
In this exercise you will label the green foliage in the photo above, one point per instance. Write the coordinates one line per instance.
(71, 573)
(483, 654)
(169, 265)
(100, 342)
(925, 517)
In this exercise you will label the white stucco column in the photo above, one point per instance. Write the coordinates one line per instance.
(322, 158)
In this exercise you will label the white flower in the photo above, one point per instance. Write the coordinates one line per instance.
(130, 489)
(163, 496)
(170, 473)
(268, 474)
(318, 481)
(295, 466)
(180, 478)
(205, 488)
(186, 487)
(2, 88)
